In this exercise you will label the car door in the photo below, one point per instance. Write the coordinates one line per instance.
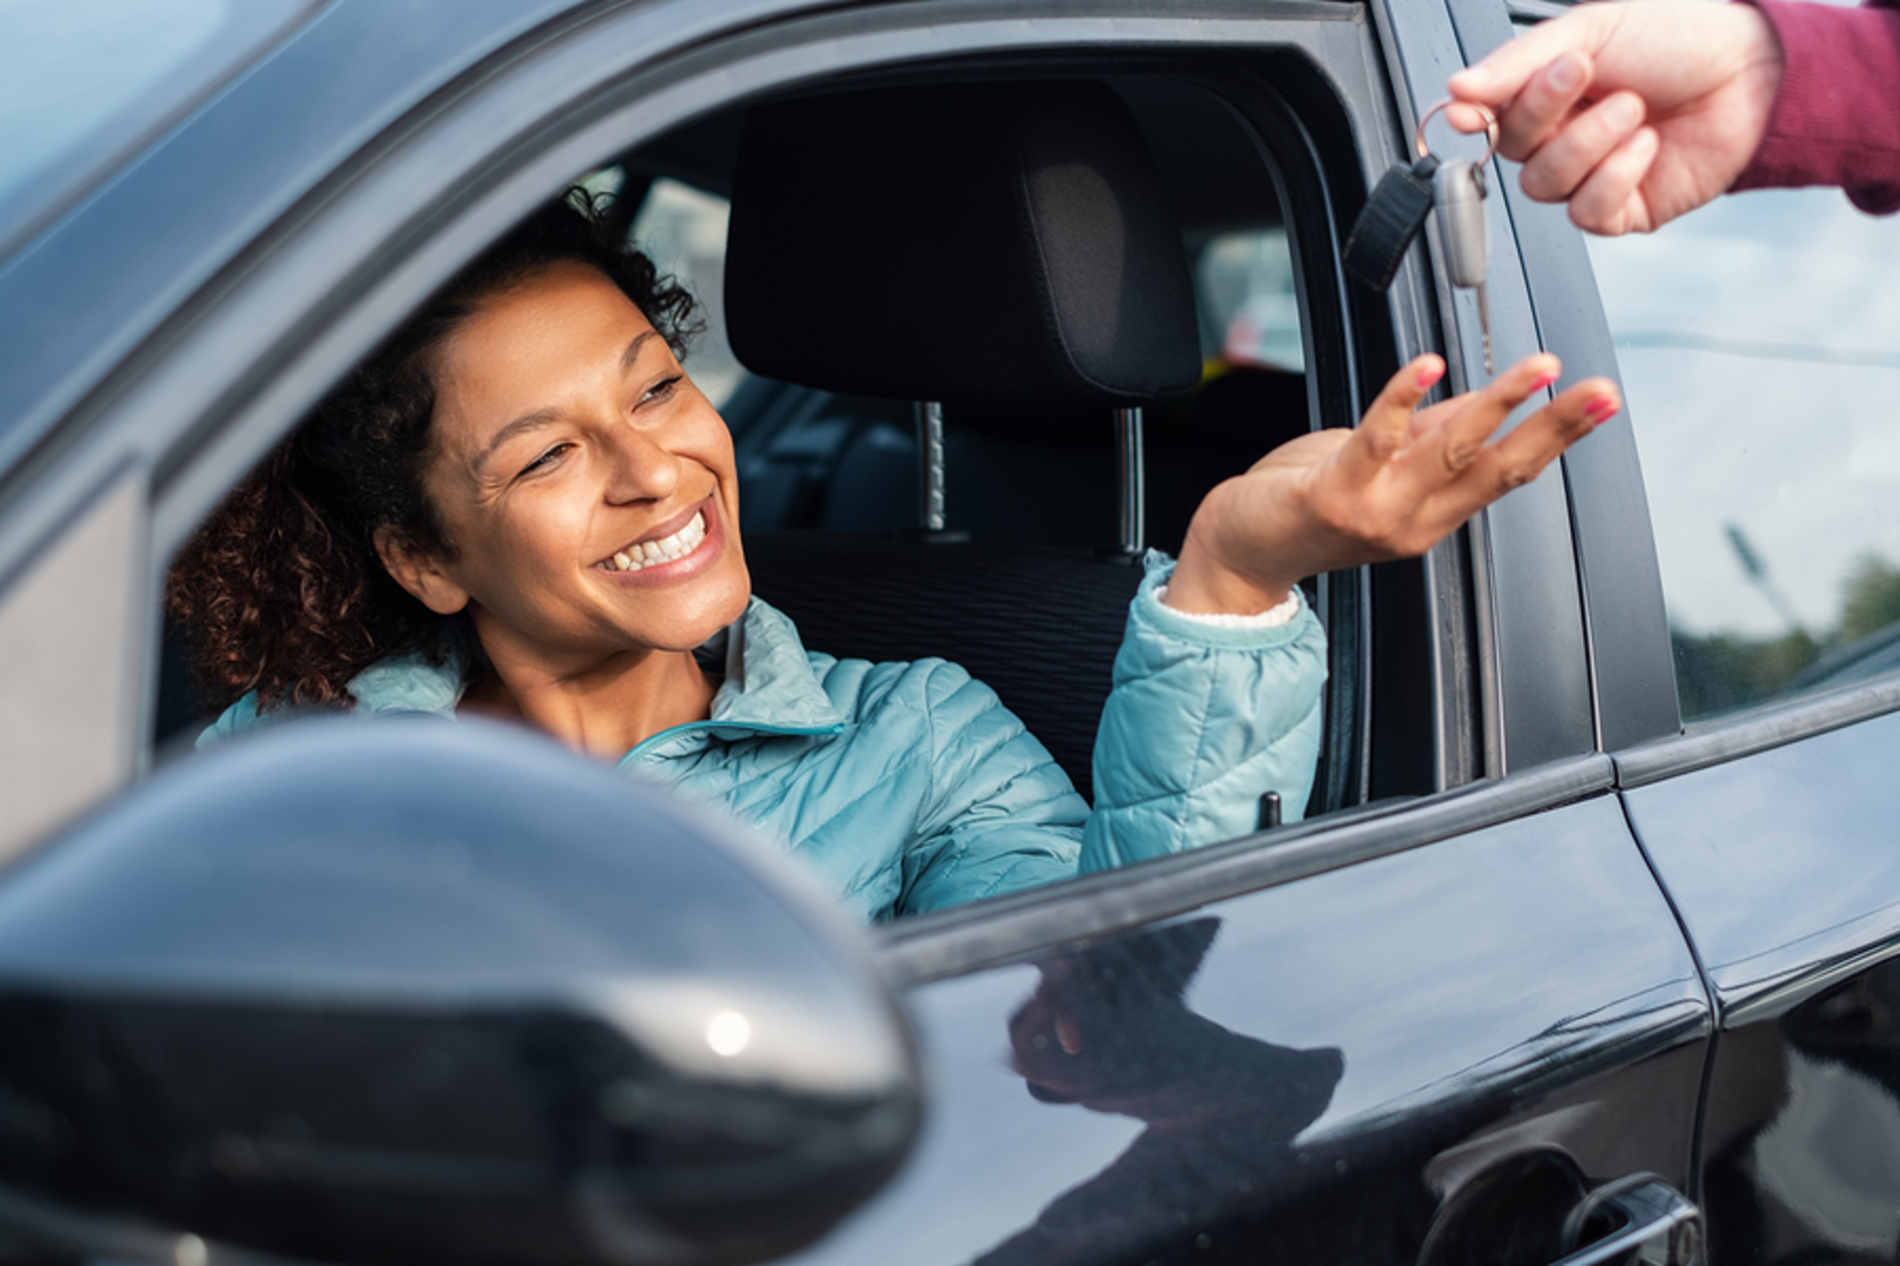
(1756, 348)
(1418, 1031)
(1397, 1038)
(1435, 1024)
(1744, 676)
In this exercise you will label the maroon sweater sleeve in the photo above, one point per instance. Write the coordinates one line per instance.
(1836, 118)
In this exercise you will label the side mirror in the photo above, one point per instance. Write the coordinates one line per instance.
(407, 991)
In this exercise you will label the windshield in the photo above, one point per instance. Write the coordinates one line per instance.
(80, 80)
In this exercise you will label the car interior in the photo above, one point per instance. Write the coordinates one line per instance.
(991, 337)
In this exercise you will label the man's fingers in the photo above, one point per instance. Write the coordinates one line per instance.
(1544, 105)
(1504, 74)
(1569, 156)
(1387, 424)
(1611, 201)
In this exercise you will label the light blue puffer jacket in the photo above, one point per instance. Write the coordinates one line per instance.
(911, 787)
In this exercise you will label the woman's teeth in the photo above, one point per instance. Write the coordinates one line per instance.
(665, 550)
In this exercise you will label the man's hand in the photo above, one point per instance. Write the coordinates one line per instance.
(1400, 482)
(1634, 114)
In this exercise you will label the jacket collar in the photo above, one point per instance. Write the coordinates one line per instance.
(770, 687)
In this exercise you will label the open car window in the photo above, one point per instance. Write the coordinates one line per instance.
(1026, 581)
(1047, 482)
(683, 229)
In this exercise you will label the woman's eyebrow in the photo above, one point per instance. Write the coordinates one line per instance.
(542, 417)
(629, 357)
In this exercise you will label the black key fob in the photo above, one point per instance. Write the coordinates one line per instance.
(1388, 222)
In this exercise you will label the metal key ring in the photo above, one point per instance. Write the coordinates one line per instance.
(1490, 127)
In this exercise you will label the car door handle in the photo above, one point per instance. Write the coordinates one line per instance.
(1649, 1223)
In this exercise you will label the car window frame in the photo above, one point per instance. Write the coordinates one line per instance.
(187, 487)
(214, 405)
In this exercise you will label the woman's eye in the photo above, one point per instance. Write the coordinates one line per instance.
(663, 388)
(546, 459)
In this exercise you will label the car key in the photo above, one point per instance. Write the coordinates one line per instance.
(1459, 197)
(1389, 221)
(1400, 204)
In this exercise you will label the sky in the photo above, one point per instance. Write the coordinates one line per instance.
(1759, 342)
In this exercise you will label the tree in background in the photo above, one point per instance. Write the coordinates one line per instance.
(1871, 598)
(1720, 672)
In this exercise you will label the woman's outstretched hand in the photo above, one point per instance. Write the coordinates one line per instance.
(1399, 483)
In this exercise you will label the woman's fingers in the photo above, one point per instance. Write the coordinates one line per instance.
(1460, 426)
(1521, 456)
(1387, 424)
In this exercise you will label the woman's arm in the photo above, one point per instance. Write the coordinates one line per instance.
(1205, 719)
(1202, 719)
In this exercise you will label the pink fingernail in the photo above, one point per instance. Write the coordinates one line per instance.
(1601, 409)
(1542, 381)
(1430, 375)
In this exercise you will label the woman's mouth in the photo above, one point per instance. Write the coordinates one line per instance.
(666, 549)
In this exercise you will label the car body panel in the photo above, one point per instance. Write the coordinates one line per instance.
(79, 297)
(1784, 865)
(1369, 1037)
(1400, 1026)
(1537, 703)
(1632, 677)
(84, 93)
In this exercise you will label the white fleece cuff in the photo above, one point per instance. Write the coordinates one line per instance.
(1272, 618)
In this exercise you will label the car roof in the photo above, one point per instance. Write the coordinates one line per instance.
(101, 274)
(85, 82)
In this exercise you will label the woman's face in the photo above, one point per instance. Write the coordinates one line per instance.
(587, 487)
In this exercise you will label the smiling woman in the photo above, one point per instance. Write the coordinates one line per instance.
(521, 507)
(594, 533)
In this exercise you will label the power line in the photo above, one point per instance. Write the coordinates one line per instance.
(1806, 352)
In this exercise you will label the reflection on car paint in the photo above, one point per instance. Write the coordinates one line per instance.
(1108, 1029)
(1408, 1078)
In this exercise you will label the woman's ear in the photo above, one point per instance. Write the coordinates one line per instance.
(418, 571)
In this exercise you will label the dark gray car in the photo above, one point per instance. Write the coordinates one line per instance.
(1544, 977)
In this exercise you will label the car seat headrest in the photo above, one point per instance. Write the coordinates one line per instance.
(977, 243)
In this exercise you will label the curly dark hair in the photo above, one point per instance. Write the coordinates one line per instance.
(282, 590)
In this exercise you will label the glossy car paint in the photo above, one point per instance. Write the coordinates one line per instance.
(1364, 1059)
(1458, 1031)
(1785, 867)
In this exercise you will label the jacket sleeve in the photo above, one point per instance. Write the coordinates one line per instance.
(1200, 723)
(1835, 120)
(1001, 814)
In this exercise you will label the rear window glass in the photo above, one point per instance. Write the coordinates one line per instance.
(1757, 340)
(82, 79)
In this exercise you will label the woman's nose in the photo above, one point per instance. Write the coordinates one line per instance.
(641, 466)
